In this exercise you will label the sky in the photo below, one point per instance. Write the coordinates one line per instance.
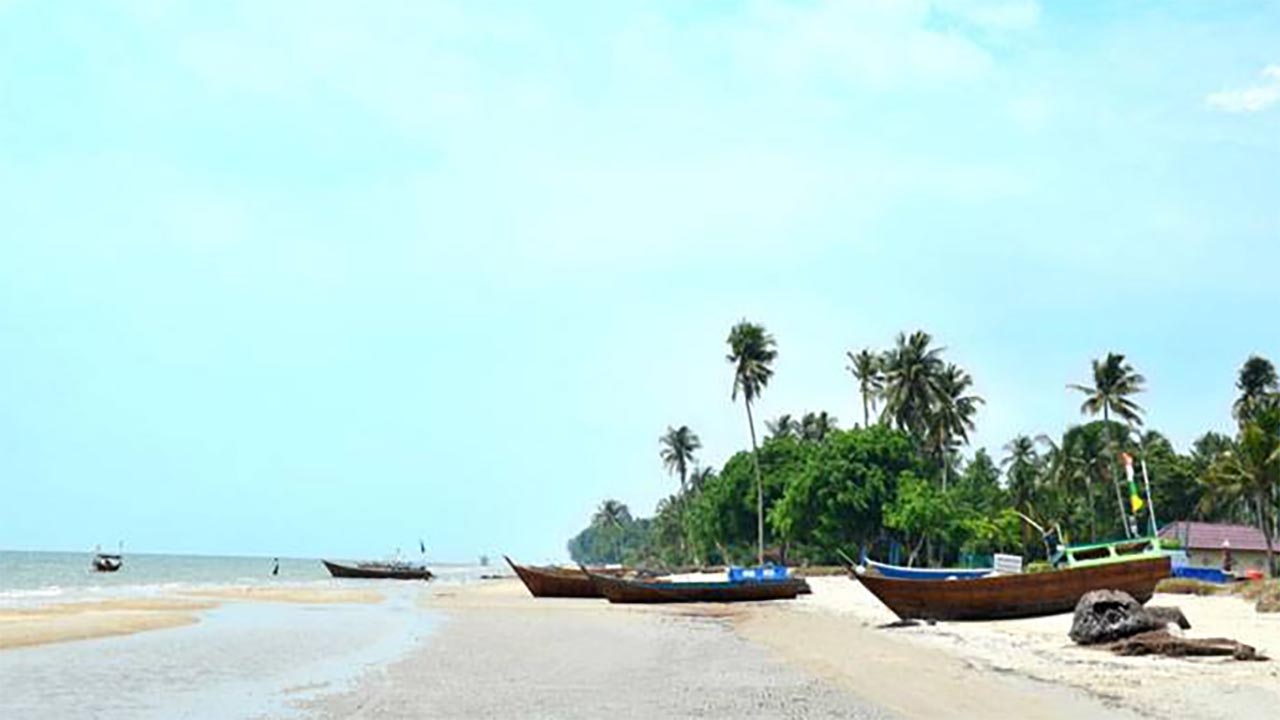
(322, 278)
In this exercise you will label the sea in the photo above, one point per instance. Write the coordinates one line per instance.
(250, 660)
(34, 577)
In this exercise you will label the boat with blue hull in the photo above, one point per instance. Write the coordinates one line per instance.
(899, 572)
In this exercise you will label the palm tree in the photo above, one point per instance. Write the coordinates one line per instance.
(815, 427)
(699, 478)
(678, 447)
(1021, 467)
(1250, 472)
(611, 512)
(752, 351)
(782, 426)
(1258, 387)
(911, 372)
(865, 367)
(951, 414)
(1114, 380)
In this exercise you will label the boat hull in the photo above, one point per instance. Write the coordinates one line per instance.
(617, 590)
(1013, 596)
(107, 563)
(555, 582)
(339, 570)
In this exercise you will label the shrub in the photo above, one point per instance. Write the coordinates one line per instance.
(1187, 586)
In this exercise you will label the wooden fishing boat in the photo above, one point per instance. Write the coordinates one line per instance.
(378, 571)
(554, 582)
(107, 563)
(617, 590)
(911, 573)
(1013, 596)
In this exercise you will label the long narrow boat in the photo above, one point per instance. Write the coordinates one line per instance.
(378, 571)
(1013, 596)
(554, 582)
(618, 590)
(910, 573)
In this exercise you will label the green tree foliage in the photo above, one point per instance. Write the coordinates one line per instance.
(823, 489)
(1249, 473)
(837, 500)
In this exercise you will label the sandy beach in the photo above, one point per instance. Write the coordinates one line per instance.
(831, 654)
(487, 649)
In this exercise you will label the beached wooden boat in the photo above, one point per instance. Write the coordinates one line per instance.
(103, 562)
(378, 571)
(549, 582)
(1013, 596)
(617, 590)
(912, 573)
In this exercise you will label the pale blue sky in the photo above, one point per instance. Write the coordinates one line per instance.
(319, 278)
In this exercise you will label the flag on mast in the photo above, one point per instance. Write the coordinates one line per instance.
(1135, 500)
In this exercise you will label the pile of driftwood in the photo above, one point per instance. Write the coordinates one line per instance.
(1114, 620)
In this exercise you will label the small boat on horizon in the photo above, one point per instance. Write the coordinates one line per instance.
(618, 590)
(378, 570)
(108, 562)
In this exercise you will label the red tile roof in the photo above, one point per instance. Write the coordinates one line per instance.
(1209, 536)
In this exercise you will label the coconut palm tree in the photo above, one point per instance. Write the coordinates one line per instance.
(1114, 380)
(678, 447)
(611, 513)
(815, 427)
(865, 367)
(752, 351)
(1258, 387)
(911, 382)
(950, 415)
(699, 477)
(1021, 466)
(782, 426)
(1250, 472)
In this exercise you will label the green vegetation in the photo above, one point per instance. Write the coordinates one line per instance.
(901, 485)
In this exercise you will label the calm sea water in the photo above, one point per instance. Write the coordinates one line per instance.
(241, 660)
(35, 577)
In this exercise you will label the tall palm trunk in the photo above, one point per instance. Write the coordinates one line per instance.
(866, 411)
(1264, 523)
(755, 456)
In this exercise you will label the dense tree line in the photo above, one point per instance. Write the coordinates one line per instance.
(899, 481)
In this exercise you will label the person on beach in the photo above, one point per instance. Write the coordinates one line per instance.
(275, 570)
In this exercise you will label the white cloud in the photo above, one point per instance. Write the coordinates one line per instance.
(1250, 99)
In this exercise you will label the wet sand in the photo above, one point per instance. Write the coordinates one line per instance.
(289, 594)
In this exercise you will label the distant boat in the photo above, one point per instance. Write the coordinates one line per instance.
(107, 563)
(910, 573)
(379, 570)
(1013, 596)
(617, 590)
